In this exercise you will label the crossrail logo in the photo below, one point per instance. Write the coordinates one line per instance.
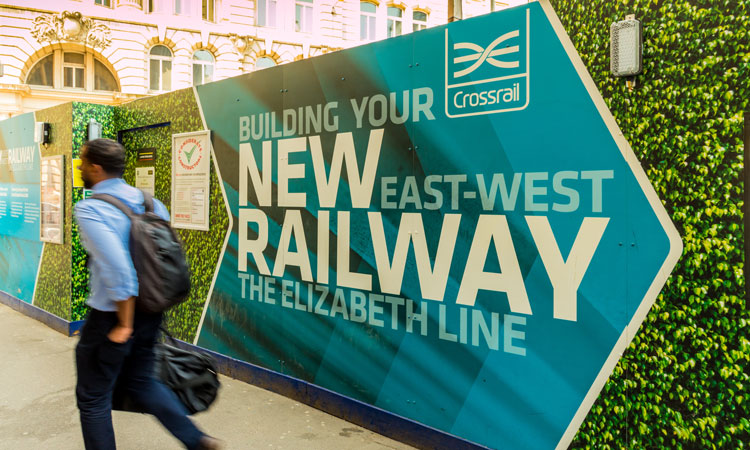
(490, 79)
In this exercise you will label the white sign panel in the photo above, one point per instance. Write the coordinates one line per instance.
(191, 164)
(144, 179)
(52, 196)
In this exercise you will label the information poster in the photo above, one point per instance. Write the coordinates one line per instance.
(144, 179)
(19, 182)
(52, 195)
(20, 248)
(191, 169)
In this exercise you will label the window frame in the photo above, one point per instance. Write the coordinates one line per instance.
(51, 56)
(104, 66)
(163, 6)
(266, 23)
(301, 5)
(419, 25)
(202, 64)
(255, 64)
(190, 8)
(58, 65)
(109, 5)
(74, 71)
(371, 18)
(394, 20)
(210, 10)
(161, 59)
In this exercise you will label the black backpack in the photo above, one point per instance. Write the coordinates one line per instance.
(156, 250)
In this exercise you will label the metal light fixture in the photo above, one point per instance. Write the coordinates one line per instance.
(95, 129)
(626, 49)
(41, 133)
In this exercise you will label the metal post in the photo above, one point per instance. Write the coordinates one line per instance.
(455, 10)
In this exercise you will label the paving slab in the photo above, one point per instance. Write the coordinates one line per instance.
(38, 410)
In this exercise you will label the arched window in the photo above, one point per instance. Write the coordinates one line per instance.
(395, 20)
(160, 68)
(419, 20)
(72, 72)
(263, 62)
(367, 17)
(42, 74)
(203, 67)
(103, 78)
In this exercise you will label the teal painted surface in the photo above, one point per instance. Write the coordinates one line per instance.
(498, 367)
(20, 249)
(19, 178)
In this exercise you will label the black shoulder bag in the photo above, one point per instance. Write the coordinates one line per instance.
(190, 374)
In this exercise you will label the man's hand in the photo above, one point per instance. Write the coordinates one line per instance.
(119, 334)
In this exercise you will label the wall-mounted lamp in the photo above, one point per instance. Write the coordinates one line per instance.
(626, 49)
(95, 129)
(41, 133)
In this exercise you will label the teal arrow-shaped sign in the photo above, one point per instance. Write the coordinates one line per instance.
(448, 225)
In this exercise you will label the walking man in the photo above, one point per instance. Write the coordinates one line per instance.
(117, 341)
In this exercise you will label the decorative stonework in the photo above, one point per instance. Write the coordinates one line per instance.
(320, 50)
(241, 43)
(70, 26)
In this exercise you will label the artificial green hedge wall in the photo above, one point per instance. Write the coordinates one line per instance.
(82, 113)
(52, 292)
(202, 248)
(683, 381)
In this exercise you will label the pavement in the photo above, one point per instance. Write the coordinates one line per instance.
(38, 409)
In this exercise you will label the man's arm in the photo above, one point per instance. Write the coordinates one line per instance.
(124, 328)
(117, 271)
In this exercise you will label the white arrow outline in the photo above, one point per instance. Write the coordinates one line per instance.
(675, 243)
(229, 228)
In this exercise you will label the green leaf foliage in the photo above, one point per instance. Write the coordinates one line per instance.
(682, 383)
(202, 248)
(82, 113)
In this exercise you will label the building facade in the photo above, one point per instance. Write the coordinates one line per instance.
(112, 51)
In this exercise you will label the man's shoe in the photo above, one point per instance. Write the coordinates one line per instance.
(209, 443)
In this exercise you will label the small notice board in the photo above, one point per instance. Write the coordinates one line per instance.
(191, 170)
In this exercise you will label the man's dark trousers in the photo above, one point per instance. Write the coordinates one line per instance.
(101, 362)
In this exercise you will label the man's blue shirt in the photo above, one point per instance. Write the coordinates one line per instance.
(105, 233)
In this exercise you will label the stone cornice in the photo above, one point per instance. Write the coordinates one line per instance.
(43, 93)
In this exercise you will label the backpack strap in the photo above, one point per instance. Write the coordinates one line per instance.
(148, 201)
(114, 201)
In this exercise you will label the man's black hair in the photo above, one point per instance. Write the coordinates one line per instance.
(107, 153)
